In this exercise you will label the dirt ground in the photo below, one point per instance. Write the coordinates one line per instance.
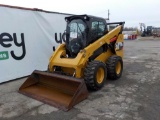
(135, 96)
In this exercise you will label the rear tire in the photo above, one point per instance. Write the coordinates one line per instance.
(114, 67)
(95, 75)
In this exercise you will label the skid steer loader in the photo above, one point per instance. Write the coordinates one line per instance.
(89, 56)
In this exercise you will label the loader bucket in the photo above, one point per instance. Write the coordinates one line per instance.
(60, 91)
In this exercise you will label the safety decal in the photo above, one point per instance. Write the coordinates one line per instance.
(119, 46)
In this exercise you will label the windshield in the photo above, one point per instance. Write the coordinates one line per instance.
(76, 29)
(75, 36)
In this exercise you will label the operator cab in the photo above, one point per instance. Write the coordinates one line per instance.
(81, 31)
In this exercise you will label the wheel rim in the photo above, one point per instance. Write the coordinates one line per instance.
(118, 67)
(100, 75)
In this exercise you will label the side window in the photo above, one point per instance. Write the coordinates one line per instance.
(98, 28)
(94, 25)
(101, 28)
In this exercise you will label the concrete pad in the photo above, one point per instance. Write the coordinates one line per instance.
(135, 96)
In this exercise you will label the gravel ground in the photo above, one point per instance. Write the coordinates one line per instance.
(135, 96)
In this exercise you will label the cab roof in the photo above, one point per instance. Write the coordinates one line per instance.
(84, 17)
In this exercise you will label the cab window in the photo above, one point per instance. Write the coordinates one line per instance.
(97, 29)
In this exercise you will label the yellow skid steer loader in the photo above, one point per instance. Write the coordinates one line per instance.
(89, 56)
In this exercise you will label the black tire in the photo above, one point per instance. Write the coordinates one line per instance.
(95, 75)
(114, 67)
